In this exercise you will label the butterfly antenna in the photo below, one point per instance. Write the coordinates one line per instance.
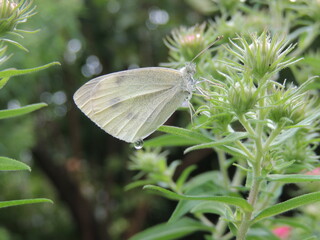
(205, 49)
(191, 110)
(209, 82)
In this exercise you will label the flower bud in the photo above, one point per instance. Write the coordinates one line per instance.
(283, 232)
(7, 8)
(185, 43)
(12, 13)
(260, 57)
(288, 106)
(8, 12)
(191, 45)
(149, 161)
(242, 98)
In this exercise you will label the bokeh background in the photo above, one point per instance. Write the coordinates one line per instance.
(74, 163)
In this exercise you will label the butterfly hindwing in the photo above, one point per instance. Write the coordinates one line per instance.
(132, 104)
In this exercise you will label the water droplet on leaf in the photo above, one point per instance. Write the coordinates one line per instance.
(138, 144)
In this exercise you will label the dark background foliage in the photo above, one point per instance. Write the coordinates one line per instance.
(74, 163)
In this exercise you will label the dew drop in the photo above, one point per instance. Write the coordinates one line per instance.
(138, 144)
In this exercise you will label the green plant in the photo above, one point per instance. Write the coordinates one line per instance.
(12, 14)
(264, 130)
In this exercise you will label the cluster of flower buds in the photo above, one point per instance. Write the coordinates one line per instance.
(12, 13)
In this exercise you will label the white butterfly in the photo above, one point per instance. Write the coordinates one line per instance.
(132, 104)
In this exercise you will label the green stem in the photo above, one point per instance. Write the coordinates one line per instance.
(245, 149)
(220, 228)
(259, 155)
(246, 125)
(252, 199)
(222, 225)
(223, 168)
(204, 220)
(271, 190)
(227, 236)
(238, 177)
(272, 136)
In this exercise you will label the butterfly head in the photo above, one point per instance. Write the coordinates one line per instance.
(188, 72)
(190, 68)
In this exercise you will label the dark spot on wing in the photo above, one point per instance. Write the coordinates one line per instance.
(114, 101)
(129, 115)
(119, 79)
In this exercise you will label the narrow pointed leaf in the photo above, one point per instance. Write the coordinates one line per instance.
(234, 151)
(185, 133)
(169, 140)
(231, 138)
(12, 203)
(203, 184)
(293, 178)
(139, 183)
(288, 205)
(15, 72)
(183, 207)
(208, 207)
(15, 44)
(9, 113)
(292, 130)
(171, 231)
(3, 82)
(8, 164)
(235, 201)
(184, 175)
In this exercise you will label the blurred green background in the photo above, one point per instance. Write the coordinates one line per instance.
(74, 163)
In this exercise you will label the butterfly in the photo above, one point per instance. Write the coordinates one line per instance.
(132, 104)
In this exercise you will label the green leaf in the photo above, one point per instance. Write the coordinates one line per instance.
(182, 208)
(292, 130)
(233, 151)
(21, 111)
(205, 183)
(169, 140)
(15, 72)
(208, 207)
(167, 231)
(210, 182)
(185, 133)
(12, 203)
(139, 183)
(235, 201)
(283, 165)
(312, 238)
(15, 44)
(3, 82)
(288, 205)
(233, 228)
(184, 176)
(231, 138)
(8, 164)
(292, 178)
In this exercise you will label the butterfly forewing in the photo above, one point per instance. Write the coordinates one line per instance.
(132, 104)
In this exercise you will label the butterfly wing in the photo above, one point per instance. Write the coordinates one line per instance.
(132, 104)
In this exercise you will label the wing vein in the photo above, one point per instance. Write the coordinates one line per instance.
(151, 113)
(128, 98)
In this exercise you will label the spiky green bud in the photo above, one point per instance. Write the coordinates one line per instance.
(262, 57)
(12, 13)
(242, 98)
